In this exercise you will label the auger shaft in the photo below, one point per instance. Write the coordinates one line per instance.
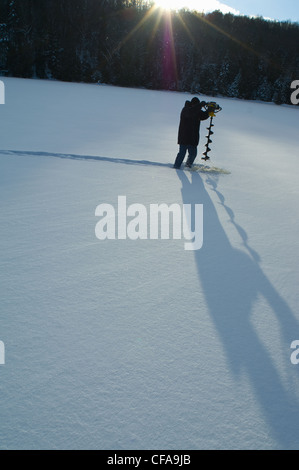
(213, 108)
(209, 141)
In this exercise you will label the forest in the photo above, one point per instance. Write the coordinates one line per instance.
(135, 44)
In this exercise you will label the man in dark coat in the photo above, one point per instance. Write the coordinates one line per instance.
(188, 137)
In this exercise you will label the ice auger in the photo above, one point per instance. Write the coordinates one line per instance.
(212, 108)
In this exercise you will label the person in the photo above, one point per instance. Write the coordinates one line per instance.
(188, 135)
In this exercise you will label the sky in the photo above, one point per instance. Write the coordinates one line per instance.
(281, 10)
(275, 9)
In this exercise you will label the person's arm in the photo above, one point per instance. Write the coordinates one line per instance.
(198, 113)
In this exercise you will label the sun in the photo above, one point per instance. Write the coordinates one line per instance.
(201, 6)
(171, 4)
(198, 5)
(167, 4)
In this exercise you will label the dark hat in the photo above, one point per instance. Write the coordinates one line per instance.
(195, 101)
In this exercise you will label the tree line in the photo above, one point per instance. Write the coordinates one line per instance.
(131, 43)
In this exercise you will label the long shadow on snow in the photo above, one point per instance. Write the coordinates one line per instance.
(232, 280)
(125, 161)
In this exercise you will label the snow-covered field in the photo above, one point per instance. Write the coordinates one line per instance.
(123, 344)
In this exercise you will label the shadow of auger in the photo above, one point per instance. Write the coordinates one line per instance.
(242, 233)
(124, 161)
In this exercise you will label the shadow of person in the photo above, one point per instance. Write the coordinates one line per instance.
(232, 281)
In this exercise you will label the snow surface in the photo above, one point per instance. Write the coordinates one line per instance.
(123, 344)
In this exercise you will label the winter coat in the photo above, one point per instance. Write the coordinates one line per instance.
(191, 116)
